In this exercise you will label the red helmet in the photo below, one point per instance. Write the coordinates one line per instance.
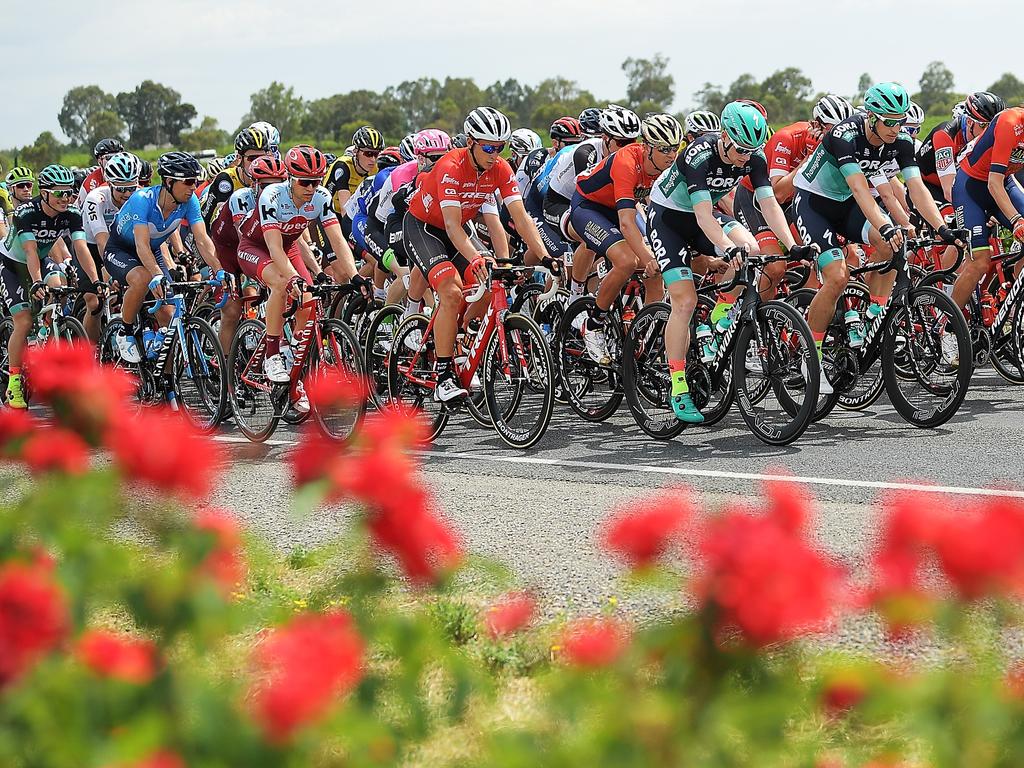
(305, 162)
(756, 105)
(567, 129)
(267, 169)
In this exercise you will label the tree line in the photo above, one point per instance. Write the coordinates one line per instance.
(154, 114)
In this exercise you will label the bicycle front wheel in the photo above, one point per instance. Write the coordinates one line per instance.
(68, 329)
(197, 368)
(519, 381)
(377, 347)
(776, 382)
(338, 357)
(412, 376)
(645, 374)
(251, 393)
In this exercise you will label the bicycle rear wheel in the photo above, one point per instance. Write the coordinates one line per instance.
(593, 390)
(924, 386)
(253, 398)
(412, 375)
(782, 342)
(645, 375)
(338, 357)
(380, 335)
(519, 381)
(198, 369)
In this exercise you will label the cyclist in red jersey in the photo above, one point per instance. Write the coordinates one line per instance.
(985, 188)
(785, 152)
(602, 216)
(434, 228)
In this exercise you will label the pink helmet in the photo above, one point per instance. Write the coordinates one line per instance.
(431, 141)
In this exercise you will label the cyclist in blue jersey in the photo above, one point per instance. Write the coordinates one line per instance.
(143, 224)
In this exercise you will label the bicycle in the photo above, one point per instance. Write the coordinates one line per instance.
(509, 348)
(181, 365)
(764, 352)
(327, 347)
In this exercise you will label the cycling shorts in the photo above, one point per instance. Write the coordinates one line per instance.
(16, 283)
(378, 240)
(431, 251)
(556, 214)
(97, 260)
(227, 255)
(821, 221)
(675, 236)
(254, 257)
(973, 206)
(595, 224)
(121, 258)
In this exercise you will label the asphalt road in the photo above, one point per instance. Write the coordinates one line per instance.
(539, 511)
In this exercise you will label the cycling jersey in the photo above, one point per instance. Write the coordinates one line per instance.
(530, 167)
(845, 151)
(31, 224)
(143, 208)
(398, 178)
(619, 181)
(701, 175)
(939, 151)
(224, 230)
(92, 181)
(218, 191)
(5, 202)
(277, 211)
(785, 150)
(1000, 149)
(343, 175)
(454, 182)
(570, 163)
(99, 213)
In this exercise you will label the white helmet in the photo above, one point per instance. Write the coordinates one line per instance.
(619, 122)
(524, 141)
(122, 168)
(661, 131)
(915, 115)
(273, 135)
(832, 110)
(487, 124)
(959, 110)
(350, 150)
(703, 121)
(406, 148)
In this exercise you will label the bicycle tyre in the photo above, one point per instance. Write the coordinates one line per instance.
(201, 363)
(582, 377)
(339, 353)
(410, 374)
(527, 350)
(646, 384)
(254, 402)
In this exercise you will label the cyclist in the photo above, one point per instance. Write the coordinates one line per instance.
(834, 199)
(603, 217)
(700, 123)
(985, 187)
(250, 144)
(785, 153)
(564, 132)
(20, 182)
(348, 171)
(146, 174)
(590, 121)
(102, 151)
(36, 227)
(523, 142)
(268, 250)
(273, 135)
(133, 254)
(434, 228)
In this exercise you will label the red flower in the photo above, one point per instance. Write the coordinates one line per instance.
(52, 449)
(337, 389)
(118, 656)
(510, 614)
(759, 575)
(641, 534)
(15, 425)
(424, 545)
(161, 449)
(33, 618)
(982, 553)
(161, 759)
(225, 563)
(843, 693)
(304, 668)
(594, 643)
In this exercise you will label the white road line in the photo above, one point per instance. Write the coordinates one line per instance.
(954, 490)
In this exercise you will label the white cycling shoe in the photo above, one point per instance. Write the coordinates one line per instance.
(824, 385)
(950, 349)
(275, 369)
(301, 402)
(448, 389)
(597, 345)
(127, 348)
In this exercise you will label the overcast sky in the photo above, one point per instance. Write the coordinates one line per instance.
(217, 52)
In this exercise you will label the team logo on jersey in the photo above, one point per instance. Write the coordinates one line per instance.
(943, 163)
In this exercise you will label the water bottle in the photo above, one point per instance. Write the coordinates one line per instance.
(874, 312)
(854, 327)
(708, 345)
(725, 322)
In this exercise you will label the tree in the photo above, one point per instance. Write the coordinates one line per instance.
(511, 97)
(279, 105)
(786, 95)
(43, 152)
(154, 114)
(419, 101)
(1009, 87)
(648, 81)
(710, 97)
(865, 82)
(556, 97)
(208, 135)
(328, 118)
(105, 125)
(459, 96)
(79, 111)
(936, 86)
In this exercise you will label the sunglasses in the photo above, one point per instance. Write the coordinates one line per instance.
(434, 158)
(668, 151)
(369, 152)
(491, 149)
(125, 190)
(249, 158)
(62, 193)
(745, 151)
(307, 183)
(187, 182)
(892, 122)
(23, 185)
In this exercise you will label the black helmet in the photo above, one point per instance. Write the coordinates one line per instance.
(460, 140)
(389, 158)
(179, 165)
(368, 138)
(590, 120)
(146, 174)
(79, 175)
(984, 106)
(249, 139)
(107, 147)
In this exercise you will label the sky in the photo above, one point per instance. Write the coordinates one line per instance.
(217, 52)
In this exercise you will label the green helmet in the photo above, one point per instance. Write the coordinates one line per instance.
(56, 176)
(19, 174)
(745, 125)
(887, 99)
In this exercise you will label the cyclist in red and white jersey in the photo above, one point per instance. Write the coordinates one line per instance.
(449, 196)
(102, 151)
